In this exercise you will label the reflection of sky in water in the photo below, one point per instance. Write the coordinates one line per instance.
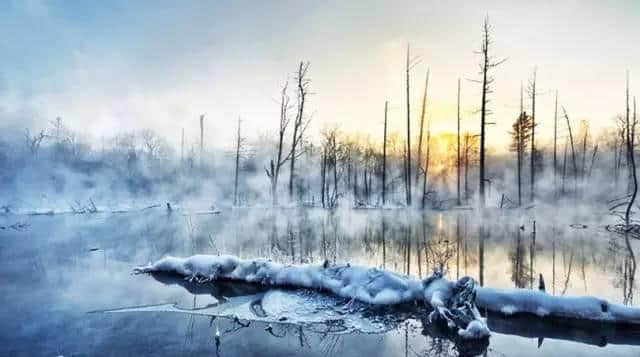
(51, 279)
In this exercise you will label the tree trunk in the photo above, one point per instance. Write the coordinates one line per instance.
(458, 149)
(384, 156)
(408, 147)
(533, 137)
(422, 115)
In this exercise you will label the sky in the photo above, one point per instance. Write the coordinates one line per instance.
(107, 67)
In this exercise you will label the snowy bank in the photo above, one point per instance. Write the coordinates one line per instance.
(452, 302)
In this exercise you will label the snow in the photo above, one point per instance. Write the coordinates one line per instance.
(475, 329)
(367, 285)
(539, 303)
(357, 283)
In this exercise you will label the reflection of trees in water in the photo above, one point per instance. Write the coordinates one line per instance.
(622, 254)
(520, 272)
(398, 239)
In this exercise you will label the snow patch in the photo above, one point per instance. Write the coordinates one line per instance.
(475, 329)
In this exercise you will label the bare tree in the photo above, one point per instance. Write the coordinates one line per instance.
(488, 63)
(411, 62)
(631, 131)
(532, 95)
(33, 142)
(151, 143)
(573, 150)
(239, 143)
(299, 123)
(419, 168)
(384, 155)
(427, 160)
(459, 202)
(273, 171)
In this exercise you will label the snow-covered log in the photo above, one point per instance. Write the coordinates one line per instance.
(452, 302)
(515, 301)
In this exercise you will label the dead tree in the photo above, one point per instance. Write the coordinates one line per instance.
(573, 150)
(419, 168)
(488, 63)
(323, 173)
(469, 149)
(384, 155)
(239, 142)
(426, 166)
(273, 171)
(407, 159)
(299, 123)
(583, 173)
(33, 142)
(631, 130)
(459, 202)
(532, 95)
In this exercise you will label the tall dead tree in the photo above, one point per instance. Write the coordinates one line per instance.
(573, 150)
(384, 155)
(419, 168)
(585, 135)
(427, 160)
(631, 131)
(323, 175)
(273, 171)
(299, 123)
(459, 202)
(532, 95)
(239, 142)
(488, 63)
(407, 177)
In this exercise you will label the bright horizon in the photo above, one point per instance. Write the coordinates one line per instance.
(113, 67)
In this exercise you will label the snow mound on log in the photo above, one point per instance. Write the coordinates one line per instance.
(539, 303)
(369, 285)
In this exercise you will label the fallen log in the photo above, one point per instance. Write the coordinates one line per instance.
(451, 302)
(454, 303)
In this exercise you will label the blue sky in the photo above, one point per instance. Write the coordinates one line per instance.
(109, 66)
